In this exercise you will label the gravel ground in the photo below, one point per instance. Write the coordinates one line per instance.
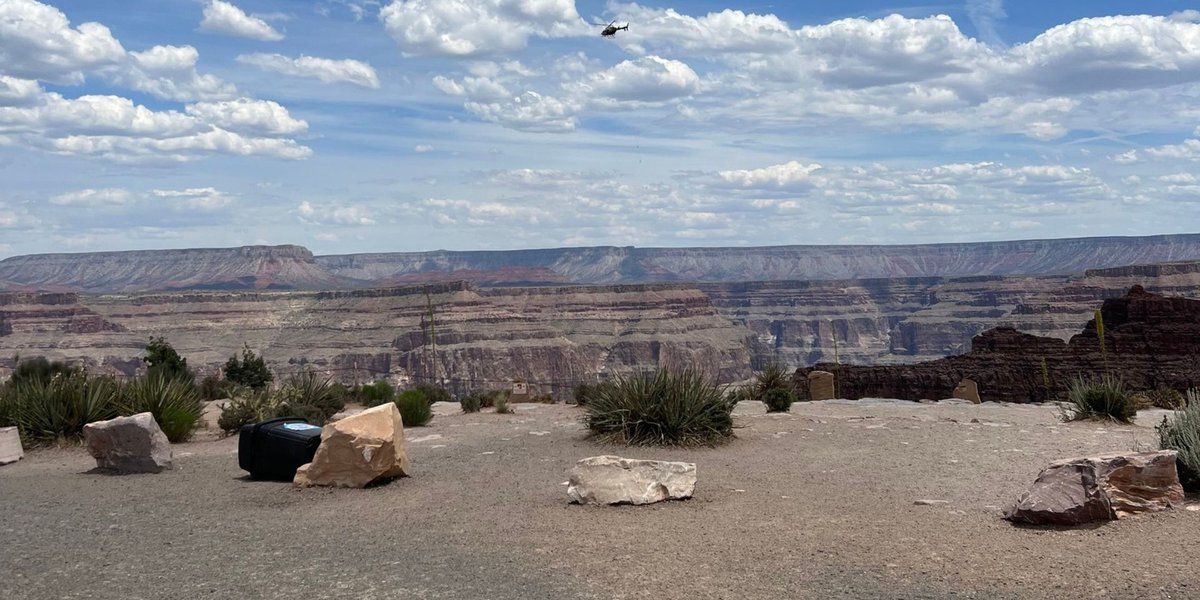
(818, 503)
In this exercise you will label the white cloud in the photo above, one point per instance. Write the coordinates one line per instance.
(38, 42)
(423, 148)
(530, 111)
(324, 69)
(789, 176)
(476, 27)
(334, 214)
(170, 72)
(202, 199)
(226, 18)
(255, 117)
(647, 79)
(93, 197)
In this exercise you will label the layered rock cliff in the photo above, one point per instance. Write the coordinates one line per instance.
(1152, 341)
(293, 267)
(476, 338)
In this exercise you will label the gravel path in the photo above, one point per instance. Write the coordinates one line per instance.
(818, 503)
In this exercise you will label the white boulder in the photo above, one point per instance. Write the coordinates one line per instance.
(10, 445)
(605, 480)
(129, 444)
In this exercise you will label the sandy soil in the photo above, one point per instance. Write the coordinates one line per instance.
(818, 503)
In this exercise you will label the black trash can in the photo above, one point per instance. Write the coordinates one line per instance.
(274, 449)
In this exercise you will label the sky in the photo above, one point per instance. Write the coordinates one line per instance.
(406, 125)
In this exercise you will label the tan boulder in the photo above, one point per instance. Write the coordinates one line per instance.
(1100, 488)
(821, 386)
(607, 480)
(967, 390)
(129, 444)
(358, 451)
(10, 445)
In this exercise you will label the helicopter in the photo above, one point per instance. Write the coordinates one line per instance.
(611, 29)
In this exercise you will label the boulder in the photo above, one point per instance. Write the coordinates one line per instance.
(358, 451)
(1100, 488)
(129, 444)
(10, 445)
(607, 480)
(821, 386)
(967, 389)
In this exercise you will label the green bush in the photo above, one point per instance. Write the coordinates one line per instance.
(434, 393)
(779, 400)
(660, 408)
(473, 402)
(39, 368)
(414, 408)
(1102, 397)
(55, 408)
(374, 394)
(773, 377)
(584, 391)
(1182, 433)
(164, 362)
(214, 388)
(174, 402)
(311, 396)
(250, 406)
(500, 401)
(250, 371)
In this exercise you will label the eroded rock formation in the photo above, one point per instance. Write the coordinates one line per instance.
(1152, 341)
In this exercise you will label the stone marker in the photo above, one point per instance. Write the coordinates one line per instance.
(606, 480)
(358, 450)
(10, 445)
(820, 386)
(1100, 488)
(129, 444)
(967, 390)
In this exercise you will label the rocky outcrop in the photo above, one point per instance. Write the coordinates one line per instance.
(128, 444)
(1150, 339)
(606, 480)
(358, 451)
(10, 445)
(1102, 488)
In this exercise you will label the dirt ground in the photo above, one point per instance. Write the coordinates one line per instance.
(818, 503)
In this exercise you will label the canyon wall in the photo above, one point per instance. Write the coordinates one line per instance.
(479, 338)
(295, 268)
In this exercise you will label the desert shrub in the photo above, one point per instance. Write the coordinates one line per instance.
(164, 362)
(250, 370)
(249, 406)
(779, 400)
(503, 407)
(1167, 398)
(39, 368)
(584, 391)
(738, 393)
(47, 410)
(1102, 397)
(1182, 433)
(661, 408)
(434, 393)
(414, 408)
(212, 387)
(310, 396)
(374, 394)
(174, 402)
(473, 402)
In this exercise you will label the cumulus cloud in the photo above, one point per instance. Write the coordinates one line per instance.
(530, 111)
(202, 199)
(93, 197)
(789, 176)
(334, 214)
(227, 19)
(476, 27)
(38, 42)
(327, 70)
(169, 72)
(255, 117)
(647, 79)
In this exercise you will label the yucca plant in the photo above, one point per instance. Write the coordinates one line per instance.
(46, 410)
(773, 377)
(311, 396)
(174, 402)
(1182, 434)
(1103, 397)
(414, 408)
(661, 408)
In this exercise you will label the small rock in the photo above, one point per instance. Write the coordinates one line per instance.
(931, 502)
(605, 480)
(10, 445)
(129, 444)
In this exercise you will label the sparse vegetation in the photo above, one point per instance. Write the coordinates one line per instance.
(249, 371)
(503, 407)
(1102, 397)
(38, 368)
(306, 395)
(584, 391)
(661, 408)
(163, 361)
(1182, 433)
(374, 394)
(173, 400)
(50, 409)
(434, 393)
(414, 408)
(779, 400)
(249, 406)
(214, 388)
(473, 402)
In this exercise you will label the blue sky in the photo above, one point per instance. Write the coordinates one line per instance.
(351, 126)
